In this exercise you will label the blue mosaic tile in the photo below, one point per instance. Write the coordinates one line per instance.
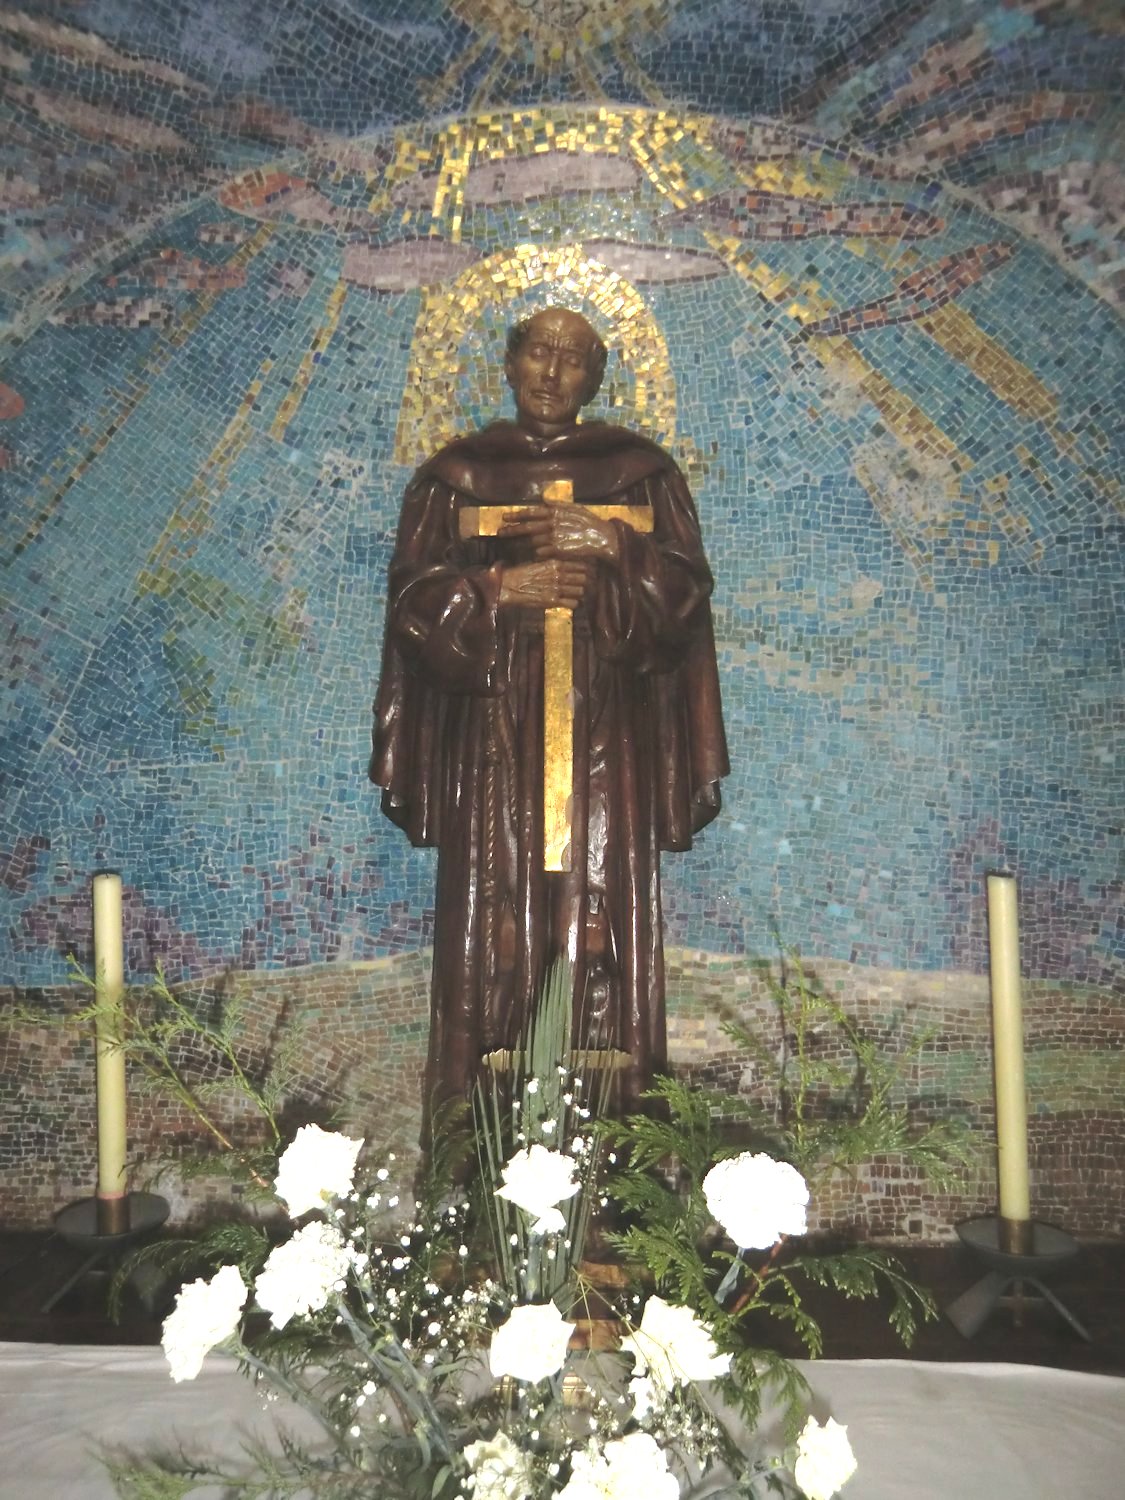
(257, 259)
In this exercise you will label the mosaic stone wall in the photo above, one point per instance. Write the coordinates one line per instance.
(360, 1031)
(861, 269)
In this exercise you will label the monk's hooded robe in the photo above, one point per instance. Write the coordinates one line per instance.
(458, 742)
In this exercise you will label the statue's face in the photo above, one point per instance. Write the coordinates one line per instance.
(550, 371)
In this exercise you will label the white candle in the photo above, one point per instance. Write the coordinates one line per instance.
(109, 970)
(1007, 1034)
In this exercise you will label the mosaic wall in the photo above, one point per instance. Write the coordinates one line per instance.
(861, 268)
(359, 1031)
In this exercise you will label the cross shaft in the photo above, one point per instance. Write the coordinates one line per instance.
(558, 667)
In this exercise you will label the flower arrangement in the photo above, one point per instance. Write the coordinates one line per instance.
(430, 1379)
(444, 1344)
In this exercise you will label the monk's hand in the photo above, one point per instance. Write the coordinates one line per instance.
(557, 583)
(569, 531)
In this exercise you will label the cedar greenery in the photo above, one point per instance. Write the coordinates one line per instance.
(829, 1117)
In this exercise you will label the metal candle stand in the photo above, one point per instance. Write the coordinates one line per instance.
(1044, 1249)
(81, 1225)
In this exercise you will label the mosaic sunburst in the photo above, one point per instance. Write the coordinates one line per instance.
(573, 39)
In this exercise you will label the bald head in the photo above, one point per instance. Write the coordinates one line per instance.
(554, 363)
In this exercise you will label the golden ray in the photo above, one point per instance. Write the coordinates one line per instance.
(636, 75)
(458, 147)
(433, 93)
(190, 517)
(117, 412)
(433, 387)
(562, 43)
(920, 558)
(484, 88)
(1014, 526)
(1008, 377)
(954, 329)
(409, 157)
(792, 178)
(647, 138)
(291, 401)
(1016, 385)
(903, 416)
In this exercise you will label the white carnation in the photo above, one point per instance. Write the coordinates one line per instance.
(623, 1470)
(671, 1345)
(532, 1344)
(300, 1276)
(757, 1199)
(498, 1469)
(825, 1461)
(316, 1166)
(206, 1313)
(537, 1180)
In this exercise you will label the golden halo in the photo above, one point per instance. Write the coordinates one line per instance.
(455, 381)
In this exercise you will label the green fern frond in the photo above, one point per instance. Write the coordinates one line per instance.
(757, 1374)
(152, 1478)
(863, 1272)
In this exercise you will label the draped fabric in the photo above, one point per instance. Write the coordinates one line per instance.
(458, 741)
(920, 1429)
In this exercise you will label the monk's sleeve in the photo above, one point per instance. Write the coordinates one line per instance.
(652, 608)
(442, 610)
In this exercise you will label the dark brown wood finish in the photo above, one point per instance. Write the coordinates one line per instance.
(458, 740)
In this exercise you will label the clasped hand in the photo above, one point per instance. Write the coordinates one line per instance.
(567, 541)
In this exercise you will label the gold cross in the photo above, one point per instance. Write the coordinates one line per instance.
(558, 667)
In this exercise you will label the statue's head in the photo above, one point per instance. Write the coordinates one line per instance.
(554, 363)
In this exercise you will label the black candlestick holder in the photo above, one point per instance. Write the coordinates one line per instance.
(1011, 1272)
(81, 1225)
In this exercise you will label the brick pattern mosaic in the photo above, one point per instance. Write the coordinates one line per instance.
(362, 1030)
(861, 270)
(1073, 1039)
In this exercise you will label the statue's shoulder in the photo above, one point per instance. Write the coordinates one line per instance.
(503, 460)
(606, 438)
(605, 460)
(461, 463)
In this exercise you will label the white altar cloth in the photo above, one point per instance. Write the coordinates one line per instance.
(920, 1431)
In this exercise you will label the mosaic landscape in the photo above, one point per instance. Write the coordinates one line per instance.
(860, 268)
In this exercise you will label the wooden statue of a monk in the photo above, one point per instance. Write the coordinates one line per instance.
(459, 739)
